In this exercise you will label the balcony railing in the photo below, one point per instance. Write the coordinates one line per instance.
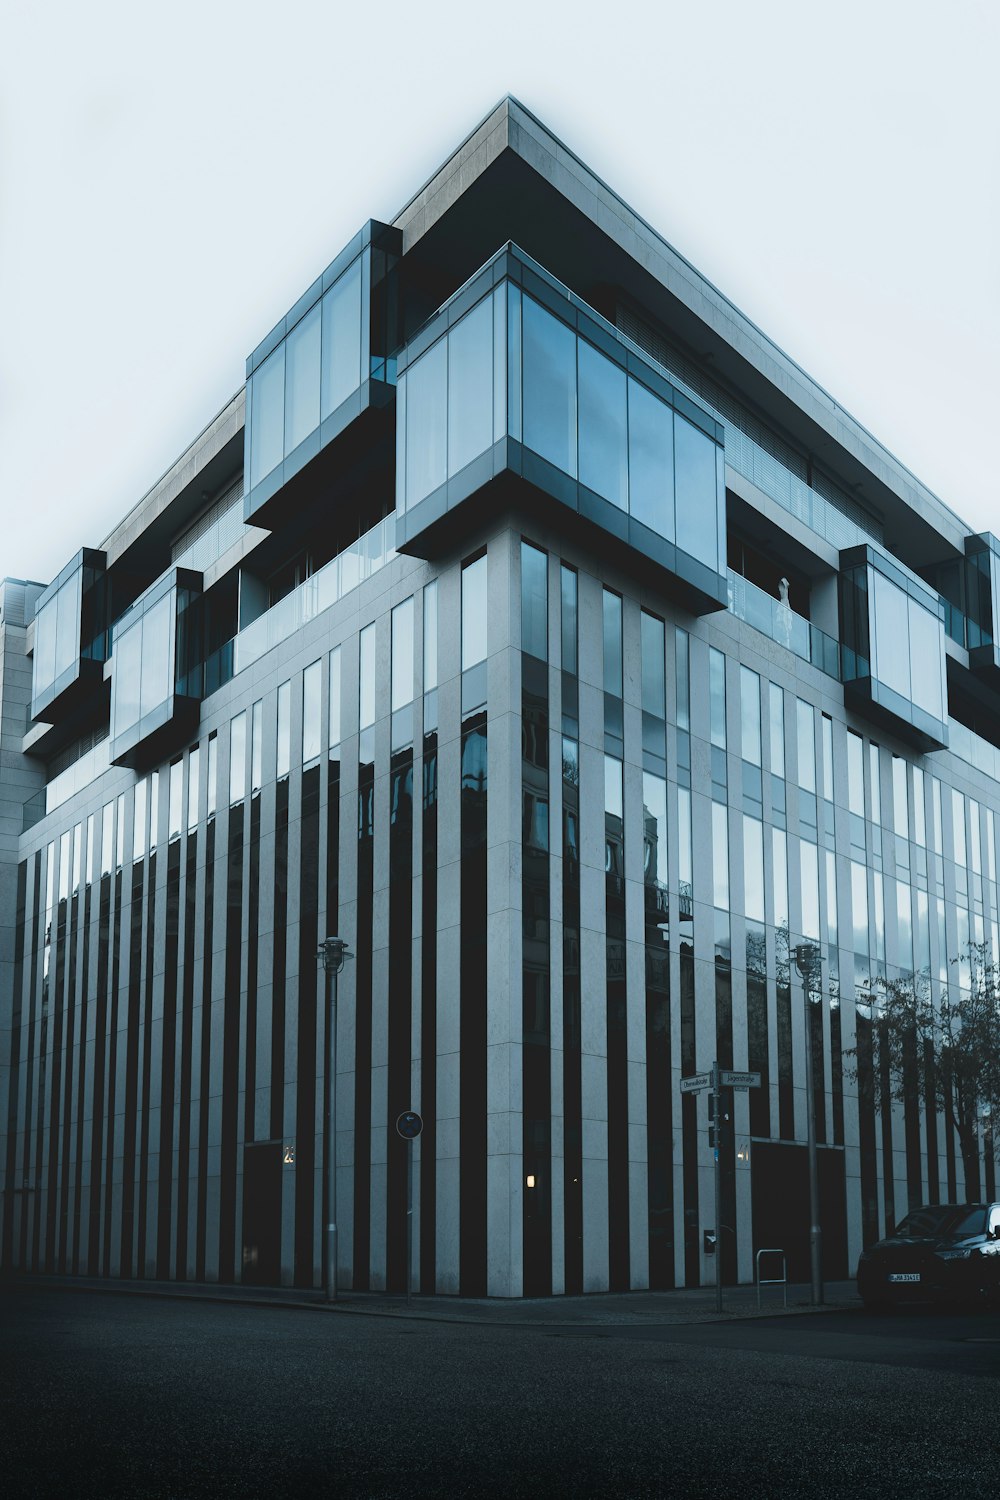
(365, 557)
(780, 623)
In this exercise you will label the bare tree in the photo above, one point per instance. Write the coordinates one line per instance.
(950, 1046)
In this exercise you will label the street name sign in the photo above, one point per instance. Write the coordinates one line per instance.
(731, 1080)
(696, 1083)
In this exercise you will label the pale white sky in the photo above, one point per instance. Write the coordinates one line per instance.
(171, 179)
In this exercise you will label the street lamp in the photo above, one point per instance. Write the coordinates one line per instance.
(807, 961)
(332, 954)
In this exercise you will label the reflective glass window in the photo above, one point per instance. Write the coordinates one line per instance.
(194, 768)
(696, 492)
(107, 837)
(474, 613)
(427, 423)
(653, 682)
(283, 752)
(366, 677)
(267, 415)
(685, 864)
(876, 782)
(238, 758)
(568, 589)
(720, 855)
(44, 662)
(855, 773)
(809, 869)
(139, 820)
(975, 844)
(613, 786)
(654, 817)
(341, 373)
(156, 683)
(256, 746)
(335, 731)
(402, 654)
(926, 645)
(831, 897)
(891, 654)
(958, 827)
(682, 670)
(859, 906)
(806, 725)
(603, 426)
(651, 460)
(470, 386)
(779, 860)
(826, 724)
(753, 868)
(776, 700)
(878, 913)
(430, 636)
(534, 602)
(919, 810)
(212, 778)
(127, 678)
(302, 379)
(175, 799)
(312, 708)
(612, 643)
(900, 821)
(549, 387)
(717, 697)
(750, 716)
(67, 644)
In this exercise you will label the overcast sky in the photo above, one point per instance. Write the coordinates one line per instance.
(171, 179)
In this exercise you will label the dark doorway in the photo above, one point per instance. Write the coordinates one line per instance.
(262, 1214)
(781, 1207)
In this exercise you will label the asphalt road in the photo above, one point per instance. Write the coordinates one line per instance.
(124, 1396)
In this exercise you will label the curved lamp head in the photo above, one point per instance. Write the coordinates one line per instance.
(333, 953)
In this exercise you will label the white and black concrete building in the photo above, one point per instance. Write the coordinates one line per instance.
(532, 622)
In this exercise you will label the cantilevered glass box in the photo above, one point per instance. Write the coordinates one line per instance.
(327, 364)
(516, 377)
(156, 670)
(71, 640)
(892, 646)
(983, 604)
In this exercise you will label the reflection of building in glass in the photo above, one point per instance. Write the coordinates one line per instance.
(580, 683)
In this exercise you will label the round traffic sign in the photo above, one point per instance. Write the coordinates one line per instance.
(409, 1125)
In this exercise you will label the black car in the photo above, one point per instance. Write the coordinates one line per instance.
(946, 1252)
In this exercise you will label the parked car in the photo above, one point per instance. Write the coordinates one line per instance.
(945, 1252)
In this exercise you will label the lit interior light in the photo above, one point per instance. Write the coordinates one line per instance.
(530, 1179)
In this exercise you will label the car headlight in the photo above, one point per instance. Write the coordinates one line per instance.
(954, 1254)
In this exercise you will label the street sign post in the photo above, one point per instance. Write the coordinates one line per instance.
(717, 1080)
(409, 1125)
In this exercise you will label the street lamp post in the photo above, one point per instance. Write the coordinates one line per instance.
(332, 954)
(807, 961)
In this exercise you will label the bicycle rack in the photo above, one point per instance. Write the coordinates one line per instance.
(781, 1280)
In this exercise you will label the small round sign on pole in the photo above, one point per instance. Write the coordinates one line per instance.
(409, 1125)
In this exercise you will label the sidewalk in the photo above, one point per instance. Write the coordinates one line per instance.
(601, 1309)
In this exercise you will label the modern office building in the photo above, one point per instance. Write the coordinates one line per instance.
(532, 622)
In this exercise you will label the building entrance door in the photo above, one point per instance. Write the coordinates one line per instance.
(780, 1189)
(262, 1213)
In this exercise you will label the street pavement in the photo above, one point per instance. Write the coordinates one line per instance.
(648, 1395)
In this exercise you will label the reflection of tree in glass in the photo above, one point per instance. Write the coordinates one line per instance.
(955, 1043)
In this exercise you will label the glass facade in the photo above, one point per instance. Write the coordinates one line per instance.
(524, 360)
(71, 640)
(892, 633)
(327, 361)
(156, 669)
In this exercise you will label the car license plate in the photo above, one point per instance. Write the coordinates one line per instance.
(906, 1276)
